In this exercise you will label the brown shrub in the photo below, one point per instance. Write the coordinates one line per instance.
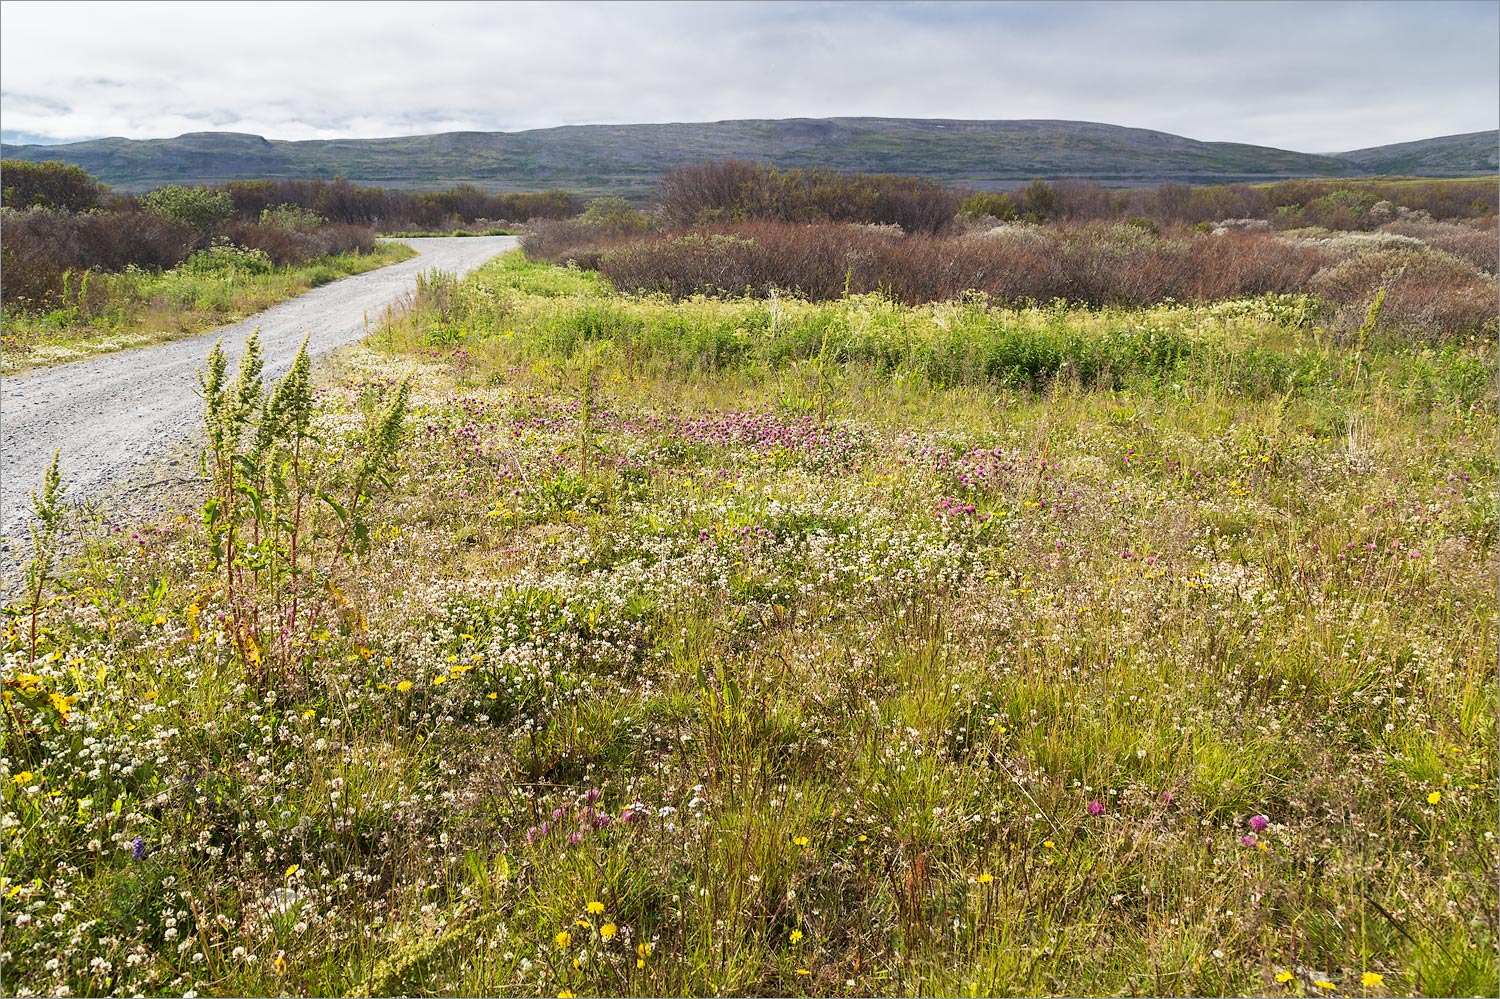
(1429, 294)
(41, 246)
(1476, 242)
(738, 191)
(1095, 264)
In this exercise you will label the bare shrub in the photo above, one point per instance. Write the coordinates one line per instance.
(739, 191)
(1094, 264)
(1429, 294)
(1476, 242)
(42, 246)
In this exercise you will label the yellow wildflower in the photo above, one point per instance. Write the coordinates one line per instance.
(643, 950)
(292, 870)
(1284, 976)
(24, 777)
(796, 936)
(1320, 983)
(595, 908)
(564, 939)
(565, 994)
(803, 971)
(1434, 797)
(800, 841)
(986, 878)
(1370, 979)
(1049, 845)
(608, 931)
(404, 686)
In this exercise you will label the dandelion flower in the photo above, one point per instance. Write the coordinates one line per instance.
(1049, 844)
(796, 936)
(986, 878)
(608, 931)
(643, 950)
(1370, 979)
(565, 994)
(1320, 983)
(1284, 976)
(404, 686)
(564, 939)
(595, 908)
(292, 870)
(803, 971)
(1434, 797)
(800, 841)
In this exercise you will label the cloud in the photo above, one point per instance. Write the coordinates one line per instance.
(1316, 77)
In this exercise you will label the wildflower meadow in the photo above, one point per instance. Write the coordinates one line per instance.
(563, 642)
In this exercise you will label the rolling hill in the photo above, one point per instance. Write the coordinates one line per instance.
(1473, 153)
(628, 158)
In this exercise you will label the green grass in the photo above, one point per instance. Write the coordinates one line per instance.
(140, 308)
(856, 623)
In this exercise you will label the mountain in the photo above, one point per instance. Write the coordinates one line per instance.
(1465, 155)
(629, 158)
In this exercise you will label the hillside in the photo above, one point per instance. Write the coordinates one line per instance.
(1448, 156)
(629, 158)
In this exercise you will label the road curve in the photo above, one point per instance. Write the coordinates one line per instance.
(111, 415)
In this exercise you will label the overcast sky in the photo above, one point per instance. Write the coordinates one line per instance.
(1316, 77)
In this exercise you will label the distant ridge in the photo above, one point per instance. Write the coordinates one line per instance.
(630, 158)
(1468, 155)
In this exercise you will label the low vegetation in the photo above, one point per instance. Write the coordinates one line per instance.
(565, 641)
(1439, 286)
(92, 312)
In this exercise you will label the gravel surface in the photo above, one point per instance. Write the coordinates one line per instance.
(128, 417)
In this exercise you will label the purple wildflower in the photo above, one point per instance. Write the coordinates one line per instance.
(137, 849)
(1096, 808)
(1259, 823)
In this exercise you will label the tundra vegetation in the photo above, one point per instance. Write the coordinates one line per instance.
(567, 638)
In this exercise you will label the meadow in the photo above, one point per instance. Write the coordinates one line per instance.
(560, 641)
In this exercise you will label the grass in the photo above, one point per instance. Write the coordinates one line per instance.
(748, 647)
(139, 308)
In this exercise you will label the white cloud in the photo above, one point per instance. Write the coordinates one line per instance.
(1315, 77)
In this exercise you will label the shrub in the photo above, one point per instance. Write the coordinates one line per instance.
(1094, 264)
(990, 205)
(1477, 242)
(224, 258)
(615, 214)
(40, 247)
(197, 207)
(737, 191)
(293, 217)
(1429, 294)
(51, 184)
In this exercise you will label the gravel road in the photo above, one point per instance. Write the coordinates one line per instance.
(111, 416)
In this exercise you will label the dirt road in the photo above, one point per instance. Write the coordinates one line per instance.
(110, 416)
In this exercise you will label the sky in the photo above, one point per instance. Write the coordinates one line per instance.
(1314, 77)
